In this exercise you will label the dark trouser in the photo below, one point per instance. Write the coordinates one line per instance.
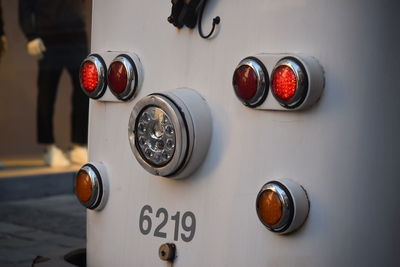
(56, 58)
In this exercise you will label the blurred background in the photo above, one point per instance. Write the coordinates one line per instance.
(18, 92)
(39, 214)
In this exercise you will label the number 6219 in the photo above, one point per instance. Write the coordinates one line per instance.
(187, 223)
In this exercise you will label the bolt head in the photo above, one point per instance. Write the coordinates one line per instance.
(166, 252)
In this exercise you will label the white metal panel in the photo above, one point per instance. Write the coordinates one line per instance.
(344, 150)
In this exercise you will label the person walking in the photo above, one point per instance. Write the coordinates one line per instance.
(56, 35)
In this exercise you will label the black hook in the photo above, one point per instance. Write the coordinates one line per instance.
(177, 6)
(216, 21)
(188, 13)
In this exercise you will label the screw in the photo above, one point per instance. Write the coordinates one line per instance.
(166, 252)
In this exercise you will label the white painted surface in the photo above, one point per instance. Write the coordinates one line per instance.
(343, 151)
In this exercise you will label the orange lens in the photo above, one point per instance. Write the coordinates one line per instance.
(83, 187)
(269, 207)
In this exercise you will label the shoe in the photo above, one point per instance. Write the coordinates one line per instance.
(54, 157)
(78, 155)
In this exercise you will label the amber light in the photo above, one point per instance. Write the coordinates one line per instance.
(284, 83)
(91, 186)
(282, 206)
(274, 206)
(83, 186)
(269, 208)
(89, 76)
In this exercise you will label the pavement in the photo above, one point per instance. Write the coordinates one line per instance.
(45, 226)
(29, 177)
(39, 214)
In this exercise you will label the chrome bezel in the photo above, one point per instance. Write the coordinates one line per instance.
(287, 206)
(183, 142)
(301, 82)
(262, 81)
(132, 75)
(101, 81)
(96, 182)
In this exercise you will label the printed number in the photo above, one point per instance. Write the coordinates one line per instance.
(157, 232)
(188, 227)
(145, 218)
(176, 229)
(188, 223)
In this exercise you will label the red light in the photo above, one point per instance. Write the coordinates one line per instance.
(117, 77)
(284, 83)
(89, 76)
(245, 82)
(250, 82)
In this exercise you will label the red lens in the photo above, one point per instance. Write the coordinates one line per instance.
(117, 77)
(245, 82)
(284, 83)
(89, 76)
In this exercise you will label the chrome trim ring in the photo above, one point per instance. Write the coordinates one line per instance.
(183, 136)
(97, 186)
(132, 75)
(262, 81)
(301, 82)
(287, 205)
(101, 81)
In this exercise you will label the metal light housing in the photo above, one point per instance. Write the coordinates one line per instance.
(91, 186)
(250, 82)
(170, 132)
(122, 77)
(282, 206)
(97, 71)
(289, 82)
